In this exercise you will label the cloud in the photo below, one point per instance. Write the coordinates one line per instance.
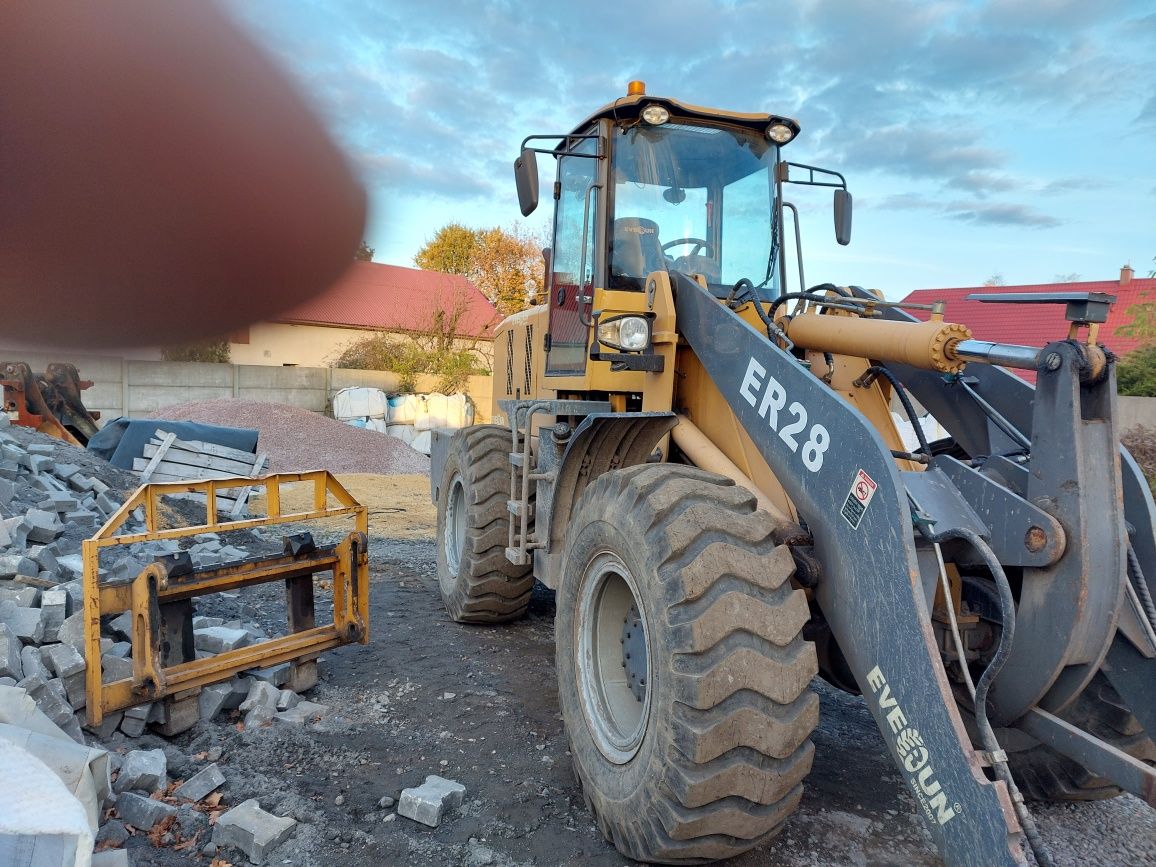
(432, 98)
(1000, 214)
(974, 211)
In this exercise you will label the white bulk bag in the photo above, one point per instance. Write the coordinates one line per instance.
(357, 402)
(403, 409)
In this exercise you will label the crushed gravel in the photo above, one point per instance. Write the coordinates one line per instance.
(297, 440)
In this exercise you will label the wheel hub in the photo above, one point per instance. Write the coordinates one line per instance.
(634, 652)
(612, 663)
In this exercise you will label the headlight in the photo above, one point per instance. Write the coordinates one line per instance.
(780, 133)
(655, 114)
(628, 333)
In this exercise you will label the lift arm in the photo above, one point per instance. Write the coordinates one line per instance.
(844, 483)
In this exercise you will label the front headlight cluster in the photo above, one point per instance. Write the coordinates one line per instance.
(625, 333)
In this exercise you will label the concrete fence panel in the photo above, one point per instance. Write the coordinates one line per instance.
(1136, 411)
(138, 388)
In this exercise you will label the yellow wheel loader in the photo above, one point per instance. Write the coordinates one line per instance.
(702, 461)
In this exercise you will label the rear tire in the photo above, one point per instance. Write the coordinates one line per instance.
(1044, 775)
(478, 584)
(694, 747)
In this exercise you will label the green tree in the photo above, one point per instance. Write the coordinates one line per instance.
(508, 268)
(208, 350)
(450, 250)
(505, 264)
(994, 280)
(364, 252)
(1142, 324)
(1136, 372)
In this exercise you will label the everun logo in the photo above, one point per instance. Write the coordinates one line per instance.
(913, 754)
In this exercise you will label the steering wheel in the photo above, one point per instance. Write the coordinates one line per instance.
(699, 244)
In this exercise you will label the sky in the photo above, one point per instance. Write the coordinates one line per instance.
(978, 138)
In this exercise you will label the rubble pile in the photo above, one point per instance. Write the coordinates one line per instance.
(52, 496)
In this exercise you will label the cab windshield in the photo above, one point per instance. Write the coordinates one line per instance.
(696, 199)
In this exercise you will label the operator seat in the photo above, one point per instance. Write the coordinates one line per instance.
(635, 252)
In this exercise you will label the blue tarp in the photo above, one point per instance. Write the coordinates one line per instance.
(123, 439)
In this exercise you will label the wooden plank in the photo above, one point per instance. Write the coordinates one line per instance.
(169, 472)
(177, 454)
(156, 457)
(214, 449)
(258, 465)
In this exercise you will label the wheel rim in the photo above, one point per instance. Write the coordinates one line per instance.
(454, 533)
(615, 690)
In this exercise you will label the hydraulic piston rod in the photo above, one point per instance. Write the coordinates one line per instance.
(1003, 354)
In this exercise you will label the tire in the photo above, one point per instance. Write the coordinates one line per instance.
(699, 753)
(1044, 775)
(478, 584)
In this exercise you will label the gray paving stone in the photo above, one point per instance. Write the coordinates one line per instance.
(114, 668)
(42, 526)
(143, 770)
(10, 664)
(21, 594)
(276, 675)
(429, 802)
(252, 830)
(212, 699)
(177, 716)
(72, 631)
(301, 713)
(53, 608)
(26, 623)
(135, 720)
(142, 812)
(109, 723)
(33, 664)
(220, 639)
(200, 784)
(261, 693)
(121, 626)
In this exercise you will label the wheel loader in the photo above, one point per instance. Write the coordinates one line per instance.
(702, 461)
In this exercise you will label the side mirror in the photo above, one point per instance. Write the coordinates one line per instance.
(526, 177)
(842, 217)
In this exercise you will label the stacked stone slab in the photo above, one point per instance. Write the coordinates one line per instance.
(47, 507)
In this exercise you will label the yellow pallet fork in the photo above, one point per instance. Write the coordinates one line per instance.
(160, 596)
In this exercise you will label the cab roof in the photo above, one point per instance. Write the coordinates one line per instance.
(628, 108)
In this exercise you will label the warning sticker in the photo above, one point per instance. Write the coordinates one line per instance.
(858, 499)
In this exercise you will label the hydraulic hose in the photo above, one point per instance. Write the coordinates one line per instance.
(1002, 651)
(745, 289)
(1141, 586)
(869, 376)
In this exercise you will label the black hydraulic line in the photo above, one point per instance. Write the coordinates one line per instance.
(1141, 586)
(815, 295)
(1003, 650)
(745, 289)
(869, 376)
(998, 420)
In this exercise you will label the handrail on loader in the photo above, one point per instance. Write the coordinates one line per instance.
(159, 596)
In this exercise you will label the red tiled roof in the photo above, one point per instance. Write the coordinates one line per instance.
(391, 298)
(1038, 324)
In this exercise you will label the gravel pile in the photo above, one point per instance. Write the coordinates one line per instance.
(297, 440)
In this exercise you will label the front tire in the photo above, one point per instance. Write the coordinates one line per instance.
(683, 676)
(478, 584)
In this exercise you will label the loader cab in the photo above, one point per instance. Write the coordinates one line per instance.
(694, 197)
(650, 184)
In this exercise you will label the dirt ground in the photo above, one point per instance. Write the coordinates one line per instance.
(478, 705)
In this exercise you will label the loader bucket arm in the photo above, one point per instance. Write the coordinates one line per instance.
(1130, 661)
(845, 485)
